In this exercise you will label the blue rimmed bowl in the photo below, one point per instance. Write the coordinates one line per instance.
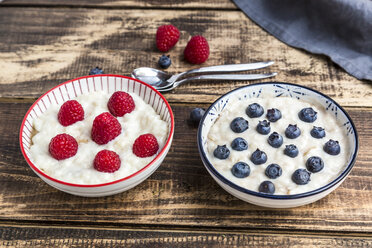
(277, 89)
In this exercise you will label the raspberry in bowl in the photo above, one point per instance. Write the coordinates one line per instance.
(81, 136)
(277, 145)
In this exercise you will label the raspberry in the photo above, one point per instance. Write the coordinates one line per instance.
(197, 50)
(145, 145)
(63, 146)
(70, 112)
(120, 103)
(107, 161)
(105, 128)
(166, 37)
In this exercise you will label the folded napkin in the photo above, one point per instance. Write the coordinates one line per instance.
(340, 29)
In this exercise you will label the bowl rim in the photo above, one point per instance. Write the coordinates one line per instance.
(224, 180)
(41, 173)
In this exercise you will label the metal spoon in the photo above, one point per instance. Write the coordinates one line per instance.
(161, 80)
(225, 77)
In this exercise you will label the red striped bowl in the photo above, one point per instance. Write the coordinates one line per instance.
(84, 85)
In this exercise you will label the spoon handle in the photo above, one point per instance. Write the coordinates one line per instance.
(226, 77)
(231, 68)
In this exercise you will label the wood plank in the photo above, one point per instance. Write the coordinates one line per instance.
(51, 236)
(204, 4)
(42, 47)
(181, 192)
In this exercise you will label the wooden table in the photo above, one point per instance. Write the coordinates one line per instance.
(44, 43)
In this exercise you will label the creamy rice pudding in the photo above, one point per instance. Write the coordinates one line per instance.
(295, 145)
(79, 168)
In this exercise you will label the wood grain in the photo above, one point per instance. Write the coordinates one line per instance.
(157, 4)
(181, 192)
(42, 47)
(44, 43)
(51, 236)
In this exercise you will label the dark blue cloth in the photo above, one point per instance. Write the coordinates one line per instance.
(340, 29)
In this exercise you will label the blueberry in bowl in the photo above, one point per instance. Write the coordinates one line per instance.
(292, 131)
(263, 127)
(300, 182)
(241, 170)
(307, 115)
(254, 110)
(273, 114)
(258, 157)
(332, 147)
(291, 150)
(267, 187)
(221, 152)
(239, 144)
(314, 164)
(239, 125)
(301, 177)
(275, 140)
(273, 171)
(317, 132)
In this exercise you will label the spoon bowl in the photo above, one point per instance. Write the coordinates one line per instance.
(153, 77)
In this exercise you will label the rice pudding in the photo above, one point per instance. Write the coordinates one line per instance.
(79, 168)
(279, 145)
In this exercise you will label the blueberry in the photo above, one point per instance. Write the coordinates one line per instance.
(292, 131)
(263, 127)
(332, 147)
(307, 115)
(275, 140)
(301, 177)
(291, 151)
(314, 164)
(196, 114)
(164, 61)
(241, 170)
(96, 71)
(221, 152)
(258, 157)
(254, 110)
(239, 125)
(273, 114)
(273, 171)
(317, 132)
(239, 144)
(267, 187)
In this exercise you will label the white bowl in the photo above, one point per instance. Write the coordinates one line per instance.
(84, 85)
(275, 89)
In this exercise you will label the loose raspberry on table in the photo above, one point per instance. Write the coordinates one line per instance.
(70, 113)
(63, 146)
(145, 145)
(166, 37)
(107, 161)
(197, 50)
(120, 103)
(105, 128)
